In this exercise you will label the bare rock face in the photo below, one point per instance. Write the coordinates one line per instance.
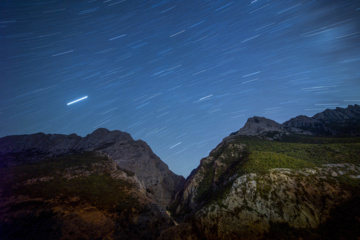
(303, 199)
(102, 138)
(137, 156)
(134, 156)
(212, 174)
(258, 204)
(300, 124)
(260, 126)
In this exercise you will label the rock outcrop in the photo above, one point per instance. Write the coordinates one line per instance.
(257, 205)
(213, 173)
(134, 156)
(260, 126)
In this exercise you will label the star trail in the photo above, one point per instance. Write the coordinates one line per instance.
(180, 75)
(77, 100)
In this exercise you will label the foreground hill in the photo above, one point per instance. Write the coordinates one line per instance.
(102, 186)
(267, 181)
(76, 196)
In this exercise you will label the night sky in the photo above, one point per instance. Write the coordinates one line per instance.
(181, 75)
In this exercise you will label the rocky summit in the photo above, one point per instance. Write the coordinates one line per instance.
(260, 126)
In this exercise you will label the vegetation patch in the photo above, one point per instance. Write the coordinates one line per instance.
(232, 157)
(101, 191)
(300, 151)
(260, 161)
(52, 167)
(204, 188)
(85, 180)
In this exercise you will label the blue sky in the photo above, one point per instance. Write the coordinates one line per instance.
(181, 75)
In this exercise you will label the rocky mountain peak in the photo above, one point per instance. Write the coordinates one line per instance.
(102, 137)
(100, 132)
(115, 135)
(260, 126)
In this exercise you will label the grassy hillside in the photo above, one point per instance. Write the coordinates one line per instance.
(298, 152)
(63, 178)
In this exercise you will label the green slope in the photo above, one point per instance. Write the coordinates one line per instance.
(299, 151)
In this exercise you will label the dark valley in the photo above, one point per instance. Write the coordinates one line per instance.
(296, 180)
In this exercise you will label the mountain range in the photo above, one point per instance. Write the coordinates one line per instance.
(299, 179)
(337, 122)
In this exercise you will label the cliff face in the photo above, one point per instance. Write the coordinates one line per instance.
(279, 203)
(269, 181)
(213, 173)
(301, 198)
(134, 156)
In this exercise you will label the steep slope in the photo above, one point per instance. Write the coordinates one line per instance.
(135, 156)
(77, 196)
(238, 155)
(265, 179)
